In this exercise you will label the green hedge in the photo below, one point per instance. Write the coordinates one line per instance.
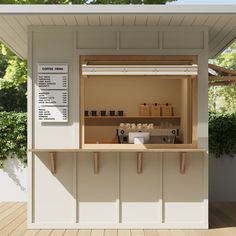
(13, 136)
(222, 134)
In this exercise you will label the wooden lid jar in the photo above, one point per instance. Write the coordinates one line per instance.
(144, 109)
(167, 109)
(155, 109)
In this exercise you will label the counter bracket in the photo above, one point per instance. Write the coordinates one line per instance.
(52, 156)
(139, 162)
(96, 162)
(183, 157)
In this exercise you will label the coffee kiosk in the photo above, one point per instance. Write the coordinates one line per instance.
(117, 113)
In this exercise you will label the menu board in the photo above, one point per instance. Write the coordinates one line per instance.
(53, 98)
(53, 114)
(53, 81)
(53, 92)
(53, 68)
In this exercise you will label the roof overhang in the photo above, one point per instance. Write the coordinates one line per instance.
(220, 20)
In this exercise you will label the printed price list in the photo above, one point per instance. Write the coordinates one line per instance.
(53, 92)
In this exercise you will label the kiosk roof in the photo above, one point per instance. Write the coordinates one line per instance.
(219, 19)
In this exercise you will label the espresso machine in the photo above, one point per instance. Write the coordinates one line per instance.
(125, 132)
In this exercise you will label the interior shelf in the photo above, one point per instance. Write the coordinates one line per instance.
(132, 117)
(116, 120)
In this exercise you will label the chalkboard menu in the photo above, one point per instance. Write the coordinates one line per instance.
(52, 82)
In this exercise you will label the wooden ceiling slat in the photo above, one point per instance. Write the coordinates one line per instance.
(153, 20)
(14, 43)
(200, 20)
(188, 20)
(58, 20)
(105, 20)
(129, 19)
(165, 19)
(221, 24)
(93, 20)
(141, 20)
(46, 20)
(23, 21)
(70, 20)
(16, 27)
(117, 20)
(223, 33)
(82, 20)
(176, 20)
(34, 19)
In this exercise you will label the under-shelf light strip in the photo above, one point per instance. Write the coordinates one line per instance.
(139, 69)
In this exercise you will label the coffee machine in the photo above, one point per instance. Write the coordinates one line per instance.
(157, 135)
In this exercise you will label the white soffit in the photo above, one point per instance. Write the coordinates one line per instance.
(15, 19)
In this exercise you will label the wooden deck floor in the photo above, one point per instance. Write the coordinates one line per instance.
(13, 222)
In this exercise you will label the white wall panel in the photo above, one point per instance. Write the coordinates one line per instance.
(55, 47)
(138, 39)
(97, 193)
(183, 40)
(140, 194)
(183, 195)
(53, 194)
(96, 39)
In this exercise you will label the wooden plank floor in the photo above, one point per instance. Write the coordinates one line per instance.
(13, 223)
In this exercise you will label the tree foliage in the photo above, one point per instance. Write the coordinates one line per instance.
(222, 133)
(13, 81)
(13, 136)
(227, 93)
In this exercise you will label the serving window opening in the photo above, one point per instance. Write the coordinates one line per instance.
(146, 100)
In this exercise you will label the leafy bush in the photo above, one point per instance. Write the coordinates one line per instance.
(13, 136)
(13, 77)
(222, 133)
(13, 98)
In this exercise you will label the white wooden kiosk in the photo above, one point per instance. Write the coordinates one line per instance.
(79, 175)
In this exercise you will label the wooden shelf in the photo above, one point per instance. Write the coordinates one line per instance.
(116, 120)
(168, 148)
(132, 117)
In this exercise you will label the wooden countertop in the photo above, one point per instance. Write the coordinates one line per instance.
(125, 148)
